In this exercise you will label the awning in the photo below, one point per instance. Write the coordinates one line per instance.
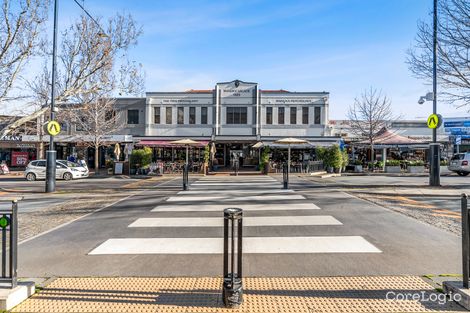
(166, 143)
(309, 145)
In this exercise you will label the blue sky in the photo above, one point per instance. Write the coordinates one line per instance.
(340, 46)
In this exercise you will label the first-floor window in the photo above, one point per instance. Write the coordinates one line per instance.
(317, 117)
(156, 115)
(269, 115)
(280, 115)
(204, 115)
(237, 115)
(293, 115)
(169, 115)
(132, 116)
(192, 115)
(304, 115)
(180, 115)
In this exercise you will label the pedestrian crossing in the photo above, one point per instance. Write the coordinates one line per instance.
(265, 205)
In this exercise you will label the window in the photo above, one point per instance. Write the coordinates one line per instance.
(204, 115)
(109, 115)
(280, 116)
(304, 115)
(293, 115)
(41, 164)
(192, 115)
(169, 115)
(132, 116)
(269, 115)
(156, 115)
(236, 115)
(317, 117)
(180, 115)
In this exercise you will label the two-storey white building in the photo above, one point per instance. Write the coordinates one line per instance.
(234, 115)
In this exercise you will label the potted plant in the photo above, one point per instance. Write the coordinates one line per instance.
(140, 158)
(357, 166)
(392, 166)
(335, 158)
(415, 167)
(264, 161)
(345, 159)
(109, 166)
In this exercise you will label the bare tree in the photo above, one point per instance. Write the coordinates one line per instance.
(94, 120)
(453, 51)
(369, 114)
(20, 26)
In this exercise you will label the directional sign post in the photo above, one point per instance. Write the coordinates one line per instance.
(434, 121)
(53, 128)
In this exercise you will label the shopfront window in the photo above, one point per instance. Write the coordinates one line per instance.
(237, 115)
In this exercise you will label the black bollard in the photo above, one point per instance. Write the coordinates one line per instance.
(465, 240)
(232, 292)
(185, 176)
(9, 228)
(285, 176)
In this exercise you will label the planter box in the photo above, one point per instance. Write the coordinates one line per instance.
(392, 169)
(416, 169)
(357, 168)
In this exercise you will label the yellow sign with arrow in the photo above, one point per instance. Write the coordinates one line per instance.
(53, 128)
(434, 121)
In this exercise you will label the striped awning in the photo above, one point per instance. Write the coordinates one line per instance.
(167, 143)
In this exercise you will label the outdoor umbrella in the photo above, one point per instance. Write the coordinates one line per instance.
(117, 151)
(186, 142)
(290, 141)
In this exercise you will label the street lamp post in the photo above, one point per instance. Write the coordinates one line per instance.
(434, 171)
(52, 153)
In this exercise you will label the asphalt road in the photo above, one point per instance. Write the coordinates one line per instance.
(159, 232)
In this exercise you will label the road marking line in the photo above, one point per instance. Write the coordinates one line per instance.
(234, 198)
(245, 207)
(231, 192)
(319, 244)
(310, 220)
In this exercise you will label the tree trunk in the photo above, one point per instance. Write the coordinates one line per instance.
(372, 152)
(97, 161)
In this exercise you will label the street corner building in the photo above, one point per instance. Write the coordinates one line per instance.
(234, 116)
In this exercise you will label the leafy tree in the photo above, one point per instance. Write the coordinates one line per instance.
(141, 157)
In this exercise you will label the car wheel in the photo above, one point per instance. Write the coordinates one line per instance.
(463, 173)
(68, 176)
(31, 177)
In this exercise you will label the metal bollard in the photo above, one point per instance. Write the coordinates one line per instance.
(285, 176)
(185, 177)
(232, 292)
(236, 166)
(9, 228)
(465, 240)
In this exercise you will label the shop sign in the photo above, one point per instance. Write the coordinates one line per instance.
(19, 158)
(11, 138)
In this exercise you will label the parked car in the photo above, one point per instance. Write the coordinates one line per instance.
(64, 170)
(460, 163)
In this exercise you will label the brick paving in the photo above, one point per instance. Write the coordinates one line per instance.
(203, 294)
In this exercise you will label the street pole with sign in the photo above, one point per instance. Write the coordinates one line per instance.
(434, 147)
(51, 154)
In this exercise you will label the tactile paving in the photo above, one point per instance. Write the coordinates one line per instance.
(203, 295)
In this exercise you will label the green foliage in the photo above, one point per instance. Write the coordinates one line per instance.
(379, 164)
(392, 163)
(141, 157)
(444, 163)
(357, 162)
(109, 163)
(207, 153)
(320, 153)
(331, 156)
(345, 158)
(264, 157)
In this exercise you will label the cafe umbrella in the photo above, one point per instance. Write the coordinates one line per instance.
(186, 142)
(290, 141)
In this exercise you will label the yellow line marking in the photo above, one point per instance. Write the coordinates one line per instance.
(446, 215)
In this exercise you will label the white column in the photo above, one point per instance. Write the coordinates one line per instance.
(384, 157)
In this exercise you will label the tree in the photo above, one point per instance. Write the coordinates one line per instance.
(453, 51)
(20, 28)
(93, 66)
(94, 121)
(369, 114)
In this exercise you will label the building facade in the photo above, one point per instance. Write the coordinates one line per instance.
(234, 115)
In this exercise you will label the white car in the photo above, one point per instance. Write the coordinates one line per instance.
(460, 163)
(64, 170)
